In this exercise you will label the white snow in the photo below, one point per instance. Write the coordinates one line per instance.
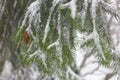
(93, 8)
(6, 71)
(2, 7)
(34, 72)
(83, 16)
(73, 8)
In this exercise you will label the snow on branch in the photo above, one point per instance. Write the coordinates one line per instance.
(2, 7)
(33, 13)
(94, 34)
(93, 8)
(39, 53)
(33, 16)
(47, 27)
(53, 44)
(72, 6)
(97, 42)
(59, 33)
(57, 43)
(59, 46)
(89, 37)
(30, 47)
(83, 16)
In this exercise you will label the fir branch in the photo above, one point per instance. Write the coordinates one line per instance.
(47, 27)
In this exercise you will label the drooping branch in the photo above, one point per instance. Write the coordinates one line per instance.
(57, 42)
(47, 27)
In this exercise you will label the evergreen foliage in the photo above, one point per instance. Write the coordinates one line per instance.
(51, 26)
